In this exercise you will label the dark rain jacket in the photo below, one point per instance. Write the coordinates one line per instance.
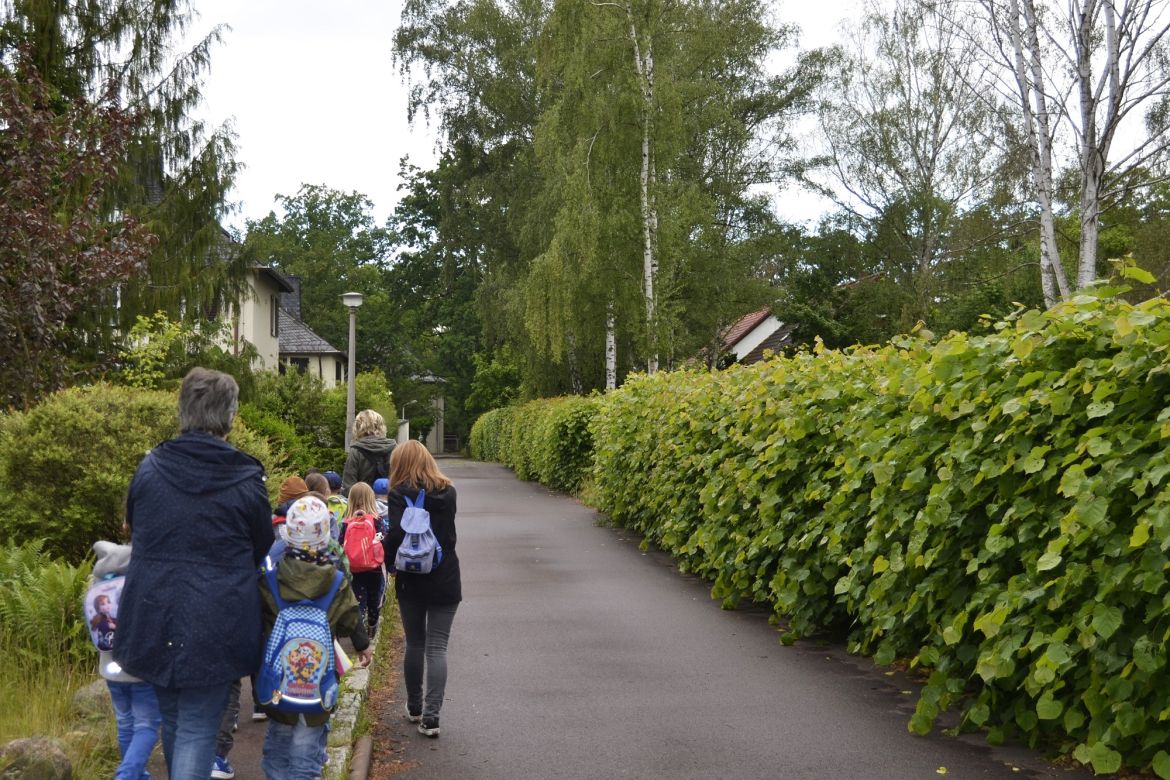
(443, 585)
(200, 525)
(367, 460)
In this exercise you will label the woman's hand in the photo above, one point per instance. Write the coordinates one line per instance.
(364, 657)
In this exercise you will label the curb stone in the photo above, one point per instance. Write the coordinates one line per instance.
(354, 690)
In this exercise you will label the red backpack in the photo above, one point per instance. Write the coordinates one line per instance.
(361, 546)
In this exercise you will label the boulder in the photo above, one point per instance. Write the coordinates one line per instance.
(34, 758)
(93, 701)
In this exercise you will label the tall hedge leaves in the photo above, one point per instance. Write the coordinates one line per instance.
(548, 440)
(994, 507)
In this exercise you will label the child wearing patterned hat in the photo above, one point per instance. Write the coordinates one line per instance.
(305, 571)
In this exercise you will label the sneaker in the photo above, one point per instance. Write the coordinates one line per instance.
(221, 769)
(429, 727)
(413, 717)
(259, 715)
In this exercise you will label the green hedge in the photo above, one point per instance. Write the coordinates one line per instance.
(547, 440)
(65, 465)
(994, 508)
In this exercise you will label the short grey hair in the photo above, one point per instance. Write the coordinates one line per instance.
(207, 402)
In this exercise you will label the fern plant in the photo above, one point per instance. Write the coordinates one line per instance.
(40, 607)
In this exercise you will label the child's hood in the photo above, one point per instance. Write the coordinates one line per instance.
(303, 580)
(112, 558)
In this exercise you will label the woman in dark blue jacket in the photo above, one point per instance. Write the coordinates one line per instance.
(190, 618)
(426, 602)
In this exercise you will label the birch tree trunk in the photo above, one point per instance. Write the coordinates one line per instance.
(644, 65)
(610, 349)
(1094, 140)
(1029, 77)
(1114, 58)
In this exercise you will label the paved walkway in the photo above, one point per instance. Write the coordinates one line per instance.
(577, 655)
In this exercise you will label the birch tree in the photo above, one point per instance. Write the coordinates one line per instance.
(1082, 74)
(906, 137)
(663, 116)
(633, 132)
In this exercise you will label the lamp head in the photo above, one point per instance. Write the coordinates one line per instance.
(352, 299)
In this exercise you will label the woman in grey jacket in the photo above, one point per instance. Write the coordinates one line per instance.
(369, 454)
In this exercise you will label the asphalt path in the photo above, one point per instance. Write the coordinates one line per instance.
(576, 654)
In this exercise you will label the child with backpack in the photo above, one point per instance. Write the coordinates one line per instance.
(421, 539)
(136, 710)
(307, 602)
(381, 488)
(362, 542)
(333, 498)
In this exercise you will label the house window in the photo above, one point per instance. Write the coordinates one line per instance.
(301, 364)
(274, 321)
(337, 371)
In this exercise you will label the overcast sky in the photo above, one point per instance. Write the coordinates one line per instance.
(314, 97)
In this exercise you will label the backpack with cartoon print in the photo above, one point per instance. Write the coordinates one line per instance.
(101, 610)
(298, 673)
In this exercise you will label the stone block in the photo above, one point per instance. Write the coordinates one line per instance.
(92, 702)
(338, 757)
(358, 680)
(34, 758)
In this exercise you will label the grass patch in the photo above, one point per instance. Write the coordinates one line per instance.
(37, 701)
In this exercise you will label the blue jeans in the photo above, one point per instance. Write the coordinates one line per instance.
(190, 720)
(293, 752)
(427, 629)
(138, 718)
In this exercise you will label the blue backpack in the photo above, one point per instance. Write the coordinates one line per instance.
(298, 673)
(420, 551)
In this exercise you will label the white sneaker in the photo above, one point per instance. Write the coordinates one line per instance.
(412, 717)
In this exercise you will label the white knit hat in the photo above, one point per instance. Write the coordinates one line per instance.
(307, 524)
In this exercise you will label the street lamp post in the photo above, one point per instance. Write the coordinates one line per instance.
(352, 300)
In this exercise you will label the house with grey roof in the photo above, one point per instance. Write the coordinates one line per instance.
(300, 348)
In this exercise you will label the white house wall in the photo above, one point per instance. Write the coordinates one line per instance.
(322, 366)
(755, 337)
(438, 432)
(256, 314)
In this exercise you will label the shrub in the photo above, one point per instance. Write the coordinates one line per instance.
(66, 464)
(317, 415)
(562, 445)
(289, 452)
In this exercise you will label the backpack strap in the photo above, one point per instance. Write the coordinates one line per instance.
(275, 553)
(274, 587)
(418, 501)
